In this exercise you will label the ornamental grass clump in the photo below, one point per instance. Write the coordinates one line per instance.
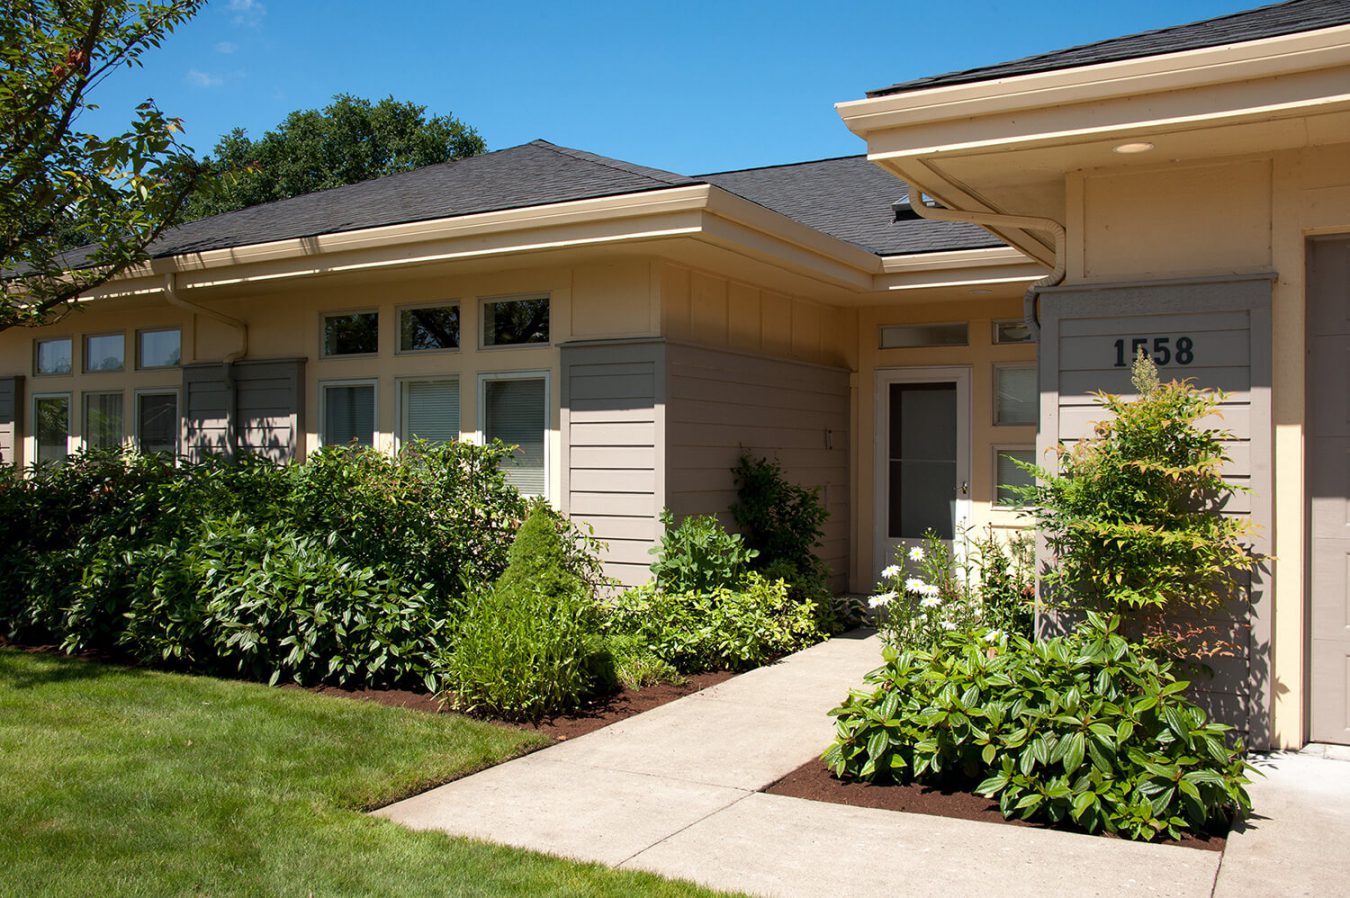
(1083, 730)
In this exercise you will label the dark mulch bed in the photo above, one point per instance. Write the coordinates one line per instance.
(595, 714)
(815, 782)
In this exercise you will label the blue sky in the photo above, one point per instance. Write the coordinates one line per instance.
(692, 87)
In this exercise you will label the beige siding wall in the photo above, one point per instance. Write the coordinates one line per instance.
(711, 310)
(11, 405)
(982, 357)
(722, 403)
(613, 396)
(1220, 217)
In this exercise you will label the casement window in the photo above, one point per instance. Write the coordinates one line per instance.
(161, 348)
(515, 322)
(351, 333)
(347, 413)
(426, 328)
(1015, 395)
(157, 421)
(1007, 474)
(103, 420)
(51, 427)
(515, 411)
(429, 410)
(54, 356)
(105, 352)
(915, 336)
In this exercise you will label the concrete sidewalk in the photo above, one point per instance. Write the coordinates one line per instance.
(676, 791)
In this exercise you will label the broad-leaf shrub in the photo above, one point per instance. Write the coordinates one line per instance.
(725, 628)
(529, 647)
(1083, 730)
(699, 555)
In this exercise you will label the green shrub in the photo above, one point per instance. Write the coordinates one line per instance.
(635, 665)
(720, 629)
(269, 605)
(528, 648)
(1083, 730)
(699, 555)
(1133, 515)
(782, 521)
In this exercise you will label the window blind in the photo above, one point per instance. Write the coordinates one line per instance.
(1010, 475)
(157, 422)
(52, 433)
(349, 414)
(103, 420)
(431, 410)
(517, 415)
(1016, 396)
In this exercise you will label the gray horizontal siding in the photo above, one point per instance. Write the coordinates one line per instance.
(269, 399)
(721, 404)
(11, 404)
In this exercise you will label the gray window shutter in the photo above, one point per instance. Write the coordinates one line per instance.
(349, 414)
(431, 410)
(517, 415)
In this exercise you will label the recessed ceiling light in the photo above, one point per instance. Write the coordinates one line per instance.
(980, 292)
(1142, 146)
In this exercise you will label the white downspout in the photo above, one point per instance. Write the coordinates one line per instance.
(997, 220)
(227, 363)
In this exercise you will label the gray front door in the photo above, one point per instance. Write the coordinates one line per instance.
(1329, 488)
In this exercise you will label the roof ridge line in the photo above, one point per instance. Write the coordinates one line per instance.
(608, 162)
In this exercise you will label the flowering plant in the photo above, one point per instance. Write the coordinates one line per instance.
(931, 591)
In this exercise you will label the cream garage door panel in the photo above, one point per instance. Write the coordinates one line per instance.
(1329, 490)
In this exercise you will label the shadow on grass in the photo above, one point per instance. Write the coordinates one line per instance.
(54, 667)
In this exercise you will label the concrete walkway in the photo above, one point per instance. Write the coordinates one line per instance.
(676, 791)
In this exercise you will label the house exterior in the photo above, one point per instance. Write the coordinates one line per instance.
(633, 330)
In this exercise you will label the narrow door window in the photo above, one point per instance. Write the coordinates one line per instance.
(516, 412)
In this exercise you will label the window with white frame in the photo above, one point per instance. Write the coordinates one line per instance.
(157, 421)
(51, 427)
(159, 348)
(351, 333)
(426, 328)
(1015, 395)
(347, 413)
(102, 420)
(515, 322)
(429, 409)
(1009, 475)
(53, 356)
(515, 411)
(105, 352)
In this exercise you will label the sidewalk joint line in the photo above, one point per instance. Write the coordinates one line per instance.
(669, 836)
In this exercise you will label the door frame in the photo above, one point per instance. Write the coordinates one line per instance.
(881, 469)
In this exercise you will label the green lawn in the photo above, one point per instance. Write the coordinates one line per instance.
(131, 782)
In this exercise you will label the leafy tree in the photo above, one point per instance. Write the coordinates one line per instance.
(61, 186)
(348, 141)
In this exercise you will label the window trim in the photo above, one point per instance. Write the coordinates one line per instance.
(484, 301)
(74, 367)
(140, 362)
(993, 410)
(84, 353)
(84, 415)
(413, 307)
(178, 410)
(533, 374)
(1000, 449)
(348, 313)
(400, 382)
(349, 382)
(67, 395)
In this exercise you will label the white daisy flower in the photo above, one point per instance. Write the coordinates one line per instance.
(916, 553)
(914, 584)
(891, 572)
(948, 625)
(879, 601)
(930, 602)
(930, 590)
(993, 636)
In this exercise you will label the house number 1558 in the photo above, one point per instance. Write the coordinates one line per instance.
(1162, 350)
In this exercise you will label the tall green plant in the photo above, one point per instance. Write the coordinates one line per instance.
(782, 521)
(1133, 515)
(699, 555)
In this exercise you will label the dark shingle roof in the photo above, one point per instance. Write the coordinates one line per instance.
(849, 198)
(1249, 25)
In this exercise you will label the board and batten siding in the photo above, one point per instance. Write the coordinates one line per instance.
(270, 399)
(11, 406)
(611, 413)
(722, 403)
(1215, 332)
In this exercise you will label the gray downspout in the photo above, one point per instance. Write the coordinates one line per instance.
(226, 364)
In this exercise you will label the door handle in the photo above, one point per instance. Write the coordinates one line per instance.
(965, 487)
